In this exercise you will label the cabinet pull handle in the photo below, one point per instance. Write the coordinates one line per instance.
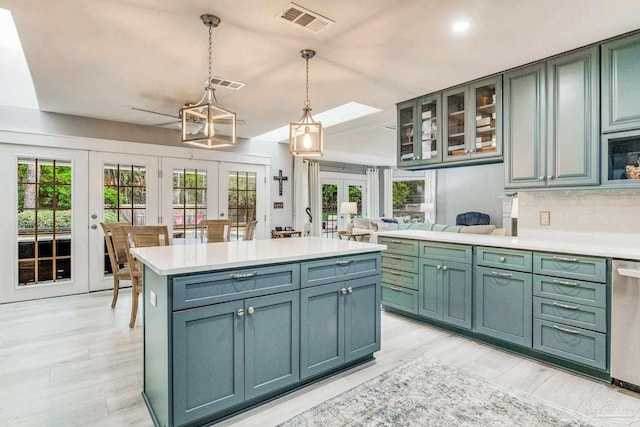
(438, 267)
(251, 310)
(502, 259)
(394, 257)
(343, 291)
(350, 289)
(243, 275)
(564, 282)
(344, 262)
(240, 312)
(571, 331)
(570, 307)
(550, 177)
(445, 268)
(396, 241)
(395, 288)
(564, 258)
(397, 273)
(501, 274)
(541, 178)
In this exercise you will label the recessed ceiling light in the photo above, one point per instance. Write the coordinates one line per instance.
(343, 113)
(461, 26)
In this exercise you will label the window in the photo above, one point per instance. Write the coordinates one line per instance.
(242, 201)
(189, 201)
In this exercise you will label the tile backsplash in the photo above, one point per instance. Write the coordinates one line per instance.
(594, 214)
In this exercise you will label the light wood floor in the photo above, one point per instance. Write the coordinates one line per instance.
(73, 361)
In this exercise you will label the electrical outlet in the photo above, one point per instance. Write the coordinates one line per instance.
(545, 218)
(153, 298)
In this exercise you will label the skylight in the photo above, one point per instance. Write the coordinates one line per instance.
(16, 85)
(332, 117)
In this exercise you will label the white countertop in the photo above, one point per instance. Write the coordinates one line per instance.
(623, 250)
(198, 257)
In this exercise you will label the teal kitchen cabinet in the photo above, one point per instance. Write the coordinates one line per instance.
(445, 291)
(551, 123)
(473, 121)
(503, 305)
(400, 266)
(621, 84)
(419, 135)
(340, 322)
(224, 354)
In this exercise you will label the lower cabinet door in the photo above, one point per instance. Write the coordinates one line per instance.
(430, 288)
(456, 294)
(503, 305)
(399, 298)
(208, 362)
(362, 317)
(272, 342)
(321, 328)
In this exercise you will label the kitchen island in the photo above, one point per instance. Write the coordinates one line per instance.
(228, 326)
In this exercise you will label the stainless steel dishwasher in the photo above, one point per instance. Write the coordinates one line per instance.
(625, 324)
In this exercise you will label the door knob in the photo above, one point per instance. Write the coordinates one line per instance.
(350, 289)
(221, 214)
(251, 310)
(343, 291)
(93, 227)
(445, 268)
(438, 267)
(94, 216)
(240, 312)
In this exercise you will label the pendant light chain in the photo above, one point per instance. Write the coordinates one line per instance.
(307, 103)
(210, 32)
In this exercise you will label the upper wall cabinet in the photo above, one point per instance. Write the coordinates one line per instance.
(473, 118)
(551, 122)
(419, 136)
(621, 84)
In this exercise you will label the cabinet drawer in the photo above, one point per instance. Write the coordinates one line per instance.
(213, 288)
(576, 291)
(400, 246)
(400, 262)
(571, 266)
(400, 278)
(579, 345)
(314, 273)
(582, 316)
(446, 252)
(504, 258)
(400, 298)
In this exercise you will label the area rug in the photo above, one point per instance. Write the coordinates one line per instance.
(426, 392)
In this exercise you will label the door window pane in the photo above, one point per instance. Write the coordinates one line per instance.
(242, 196)
(189, 201)
(329, 210)
(409, 200)
(44, 221)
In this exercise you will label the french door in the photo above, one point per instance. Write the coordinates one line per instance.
(337, 189)
(123, 188)
(44, 227)
(189, 194)
(243, 197)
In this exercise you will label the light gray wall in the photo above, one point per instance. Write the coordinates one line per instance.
(44, 123)
(470, 188)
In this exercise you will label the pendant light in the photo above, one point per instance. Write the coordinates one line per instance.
(202, 122)
(305, 136)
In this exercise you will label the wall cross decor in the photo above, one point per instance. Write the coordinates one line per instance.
(280, 178)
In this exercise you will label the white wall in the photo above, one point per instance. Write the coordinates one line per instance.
(470, 189)
(591, 214)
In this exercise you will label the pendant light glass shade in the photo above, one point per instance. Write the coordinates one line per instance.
(203, 122)
(305, 135)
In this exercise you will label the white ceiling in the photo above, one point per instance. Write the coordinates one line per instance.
(99, 58)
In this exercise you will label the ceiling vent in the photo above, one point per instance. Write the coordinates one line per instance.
(305, 18)
(229, 84)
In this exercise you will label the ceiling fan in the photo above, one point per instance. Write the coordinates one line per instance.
(178, 119)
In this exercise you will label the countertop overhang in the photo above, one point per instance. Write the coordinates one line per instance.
(623, 250)
(199, 257)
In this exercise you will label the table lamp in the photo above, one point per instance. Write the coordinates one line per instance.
(349, 208)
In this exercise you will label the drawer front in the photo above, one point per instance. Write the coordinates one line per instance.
(504, 258)
(400, 278)
(329, 270)
(446, 252)
(212, 288)
(571, 266)
(579, 345)
(575, 291)
(582, 316)
(400, 298)
(400, 246)
(400, 262)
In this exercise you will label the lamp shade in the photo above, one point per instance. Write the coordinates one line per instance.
(348, 208)
(210, 120)
(515, 208)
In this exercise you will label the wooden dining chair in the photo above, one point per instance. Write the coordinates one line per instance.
(140, 236)
(249, 230)
(114, 239)
(216, 230)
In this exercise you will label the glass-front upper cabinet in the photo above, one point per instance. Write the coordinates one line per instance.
(456, 122)
(486, 138)
(408, 149)
(430, 134)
